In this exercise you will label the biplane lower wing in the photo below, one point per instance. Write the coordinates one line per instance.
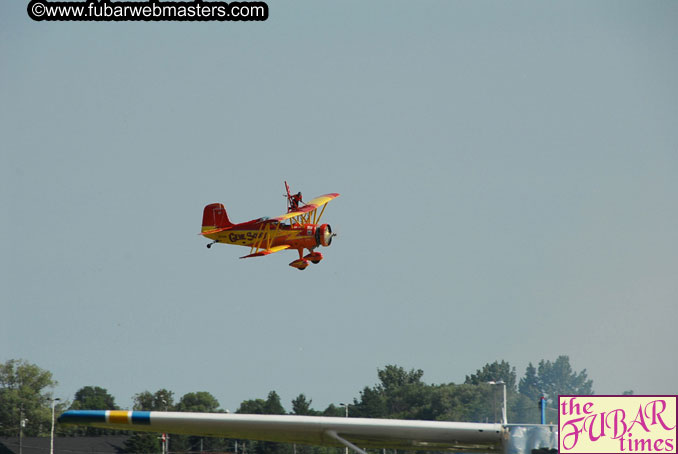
(267, 251)
(213, 231)
(355, 433)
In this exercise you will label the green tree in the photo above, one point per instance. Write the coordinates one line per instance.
(553, 379)
(530, 385)
(161, 400)
(252, 407)
(333, 410)
(92, 398)
(527, 409)
(302, 406)
(198, 402)
(496, 371)
(143, 444)
(270, 406)
(23, 393)
(273, 406)
(393, 377)
(410, 401)
(398, 395)
(372, 404)
(466, 402)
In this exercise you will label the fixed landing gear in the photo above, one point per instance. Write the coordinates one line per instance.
(209, 245)
(300, 264)
(314, 257)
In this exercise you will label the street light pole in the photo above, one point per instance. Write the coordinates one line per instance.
(51, 438)
(165, 436)
(22, 424)
(21, 430)
(503, 407)
(346, 409)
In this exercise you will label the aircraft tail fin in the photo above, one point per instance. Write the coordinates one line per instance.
(215, 217)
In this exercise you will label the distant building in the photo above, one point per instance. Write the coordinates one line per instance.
(114, 444)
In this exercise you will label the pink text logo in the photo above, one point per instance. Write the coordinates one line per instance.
(617, 424)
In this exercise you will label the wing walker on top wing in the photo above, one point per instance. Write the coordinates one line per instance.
(265, 236)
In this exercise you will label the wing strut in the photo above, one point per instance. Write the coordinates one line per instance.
(344, 442)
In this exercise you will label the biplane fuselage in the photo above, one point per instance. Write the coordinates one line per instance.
(252, 234)
(268, 235)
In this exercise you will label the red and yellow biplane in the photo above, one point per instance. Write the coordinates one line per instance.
(265, 236)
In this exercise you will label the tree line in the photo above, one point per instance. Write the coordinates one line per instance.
(25, 394)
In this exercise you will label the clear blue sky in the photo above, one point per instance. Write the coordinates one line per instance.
(509, 181)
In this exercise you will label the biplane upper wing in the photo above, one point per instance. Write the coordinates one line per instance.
(355, 433)
(310, 206)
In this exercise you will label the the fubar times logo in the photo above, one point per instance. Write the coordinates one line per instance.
(617, 424)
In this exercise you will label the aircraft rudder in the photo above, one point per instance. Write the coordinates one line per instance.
(214, 216)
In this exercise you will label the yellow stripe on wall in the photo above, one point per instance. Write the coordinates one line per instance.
(118, 417)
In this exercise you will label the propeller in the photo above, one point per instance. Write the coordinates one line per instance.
(324, 235)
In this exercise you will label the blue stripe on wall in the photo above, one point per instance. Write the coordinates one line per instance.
(82, 416)
(141, 417)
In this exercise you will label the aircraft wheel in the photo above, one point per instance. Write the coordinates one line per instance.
(315, 261)
(209, 245)
(301, 269)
